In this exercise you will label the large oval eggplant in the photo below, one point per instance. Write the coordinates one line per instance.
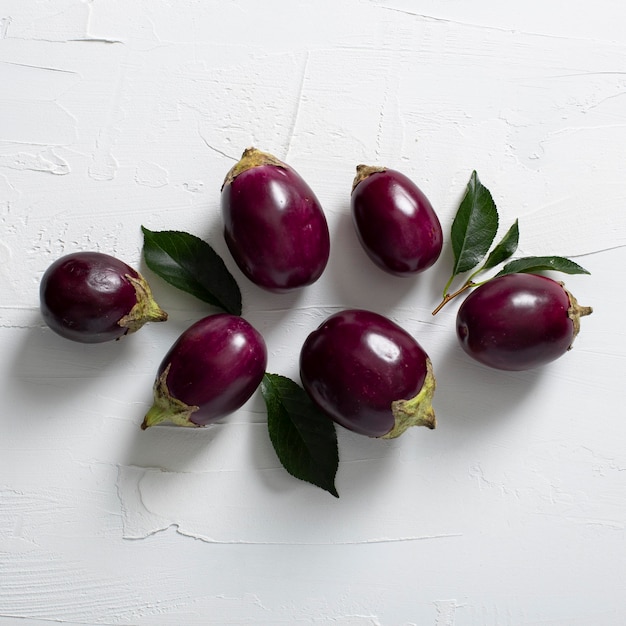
(368, 374)
(394, 220)
(274, 225)
(92, 297)
(518, 321)
(212, 369)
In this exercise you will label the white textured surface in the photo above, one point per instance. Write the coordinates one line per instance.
(117, 113)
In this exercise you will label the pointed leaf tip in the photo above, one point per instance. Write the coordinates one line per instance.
(191, 265)
(505, 248)
(474, 227)
(303, 437)
(532, 264)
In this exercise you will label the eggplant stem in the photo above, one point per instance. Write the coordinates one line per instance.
(417, 411)
(166, 408)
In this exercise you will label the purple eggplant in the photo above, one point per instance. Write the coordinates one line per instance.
(274, 225)
(368, 374)
(211, 370)
(93, 297)
(518, 321)
(395, 222)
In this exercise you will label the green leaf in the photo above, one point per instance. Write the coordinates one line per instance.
(474, 226)
(190, 264)
(505, 249)
(531, 264)
(303, 437)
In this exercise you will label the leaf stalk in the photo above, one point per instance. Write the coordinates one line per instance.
(450, 296)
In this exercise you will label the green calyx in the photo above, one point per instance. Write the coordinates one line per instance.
(417, 411)
(166, 408)
(363, 171)
(145, 309)
(250, 158)
(575, 312)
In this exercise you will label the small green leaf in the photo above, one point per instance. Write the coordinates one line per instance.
(303, 437)
(190, 264)
(505, 249)
(474, 227)
(531, 264)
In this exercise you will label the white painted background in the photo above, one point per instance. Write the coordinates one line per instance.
(118, 113)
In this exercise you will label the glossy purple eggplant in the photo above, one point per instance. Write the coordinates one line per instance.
(274, 225)
(395, 222)
(368, 374)
(518, 321)
(93, 297)
(211, 370)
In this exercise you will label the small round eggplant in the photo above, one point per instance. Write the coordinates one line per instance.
(274, 225)
(395, 222)
(93, 297)
(518, 321)
(211, 370)
(368, 374)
